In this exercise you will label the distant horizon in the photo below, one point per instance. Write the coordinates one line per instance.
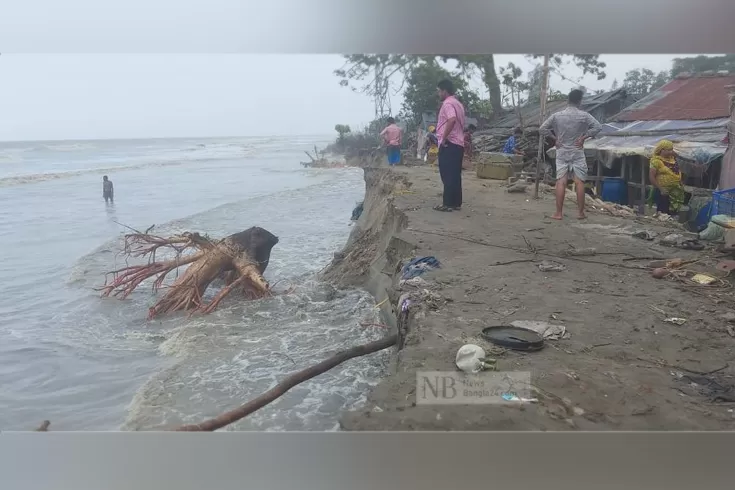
(47, 140)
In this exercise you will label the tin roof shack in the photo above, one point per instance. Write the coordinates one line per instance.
(601, 106)
(691, 111)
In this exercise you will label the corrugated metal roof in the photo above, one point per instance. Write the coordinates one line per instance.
(702, 97)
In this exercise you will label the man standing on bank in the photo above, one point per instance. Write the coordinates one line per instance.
(571, 127)
(450, 132)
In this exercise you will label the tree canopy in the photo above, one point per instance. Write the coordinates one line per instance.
(702, 63)
(643, 81)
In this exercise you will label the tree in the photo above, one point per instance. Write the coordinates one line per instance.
(614, 85)
(485, 65)
(342, 130)
(643, 81)
(516, 90)
(702, 63)
(420, 92)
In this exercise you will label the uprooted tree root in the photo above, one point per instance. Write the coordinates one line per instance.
(239, 260)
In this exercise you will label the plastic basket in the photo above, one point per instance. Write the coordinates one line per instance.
(723, 202)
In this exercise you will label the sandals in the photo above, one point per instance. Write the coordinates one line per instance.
(442, 208)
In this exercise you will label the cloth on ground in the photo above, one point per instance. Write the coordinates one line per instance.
(418, 266)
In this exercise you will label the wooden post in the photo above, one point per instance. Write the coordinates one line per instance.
(642, 205)
(541, 138)
(598, 185)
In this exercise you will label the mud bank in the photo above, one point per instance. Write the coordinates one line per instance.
(623, 368)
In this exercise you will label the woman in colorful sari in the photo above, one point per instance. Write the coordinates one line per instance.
(666, 178)
(431, 146)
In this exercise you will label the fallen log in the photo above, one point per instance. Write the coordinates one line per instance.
(292, 380)
(239, 259)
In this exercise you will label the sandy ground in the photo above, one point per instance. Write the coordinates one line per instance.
(622, 367)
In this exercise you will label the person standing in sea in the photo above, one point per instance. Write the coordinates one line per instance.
(392, 136)
(108, 192)
(450, 134)
(571, 127)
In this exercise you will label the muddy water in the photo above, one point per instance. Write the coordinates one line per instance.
(91, 364)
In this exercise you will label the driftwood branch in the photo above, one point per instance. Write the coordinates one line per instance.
(292, 380)
(44, 426)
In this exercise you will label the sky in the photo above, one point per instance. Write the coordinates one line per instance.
(111, 96)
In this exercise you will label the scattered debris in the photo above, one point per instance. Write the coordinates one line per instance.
(676, 321)
(660, 272)
(730, 331)
(472, 359)
(703, 279)
(512, 397)
(418, 266)
(581, 252)
(546, 330)
(672, 240)
(550, 266)
(645, 235)
(518, 187)
(726, 266)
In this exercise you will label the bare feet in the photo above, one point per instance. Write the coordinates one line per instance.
(582, 216)
(557, 216)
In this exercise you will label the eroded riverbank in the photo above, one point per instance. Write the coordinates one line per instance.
(622, 368)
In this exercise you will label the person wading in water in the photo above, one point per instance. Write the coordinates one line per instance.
(108, 192)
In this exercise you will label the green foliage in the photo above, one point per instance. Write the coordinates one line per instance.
(342, 130)
(420, 93)
(702, 63)
(643, 81)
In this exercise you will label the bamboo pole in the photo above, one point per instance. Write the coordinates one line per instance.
(288, 383)
(541, 138)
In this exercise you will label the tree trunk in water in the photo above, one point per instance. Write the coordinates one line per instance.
(239, 259)
(490, 78)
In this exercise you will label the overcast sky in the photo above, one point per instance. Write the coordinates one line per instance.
(168, 95)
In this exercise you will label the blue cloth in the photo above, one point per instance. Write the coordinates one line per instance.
(510, 145)
(394, 155)
(418, 266)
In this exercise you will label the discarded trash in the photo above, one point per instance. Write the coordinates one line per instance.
(660, 273)
(519, 187)
(417, 282)
(676, 321)
(472, 359)
(703, 279)
(645, 235)
(418, 266)
(357, 212)
(512, 397)
(726, 266)
(691, 245)
(547, 331)
(581, 252)
(549, 266)
(730, 331)
(714, 230)
(675, 263)
(512, 337)
(672, 240)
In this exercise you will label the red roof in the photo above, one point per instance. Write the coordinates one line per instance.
(702, 97)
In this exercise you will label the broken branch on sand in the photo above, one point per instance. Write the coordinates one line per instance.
(294, 379)
(239, 260)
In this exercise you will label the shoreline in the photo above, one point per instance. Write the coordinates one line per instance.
(614, 372)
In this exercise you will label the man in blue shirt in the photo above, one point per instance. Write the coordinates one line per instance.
(510, 145)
